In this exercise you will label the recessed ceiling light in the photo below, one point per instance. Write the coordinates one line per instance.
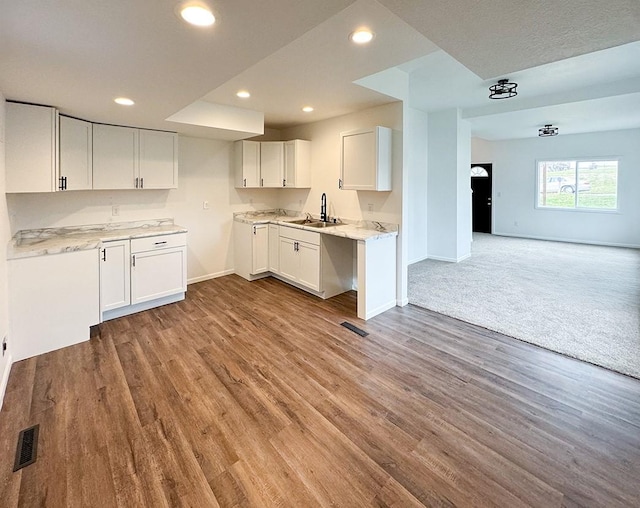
(361, 36)
(307, 109)
(197, 15)
(243, 94)
(123, 101)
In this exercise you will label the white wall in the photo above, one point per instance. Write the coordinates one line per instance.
(5, 236)
(514, 188)
(206, 173)
(416, 189)
(449, 186)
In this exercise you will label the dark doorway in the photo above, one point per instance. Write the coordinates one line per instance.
(481, 201)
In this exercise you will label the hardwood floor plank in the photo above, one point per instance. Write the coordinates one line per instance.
(253, 395)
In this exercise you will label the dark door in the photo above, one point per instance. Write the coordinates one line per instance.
(481, 201)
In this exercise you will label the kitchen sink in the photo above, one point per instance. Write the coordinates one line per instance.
(302, 222)
(321, 224)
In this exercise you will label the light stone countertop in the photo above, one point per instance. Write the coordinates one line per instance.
(354, 230)
(41, 242)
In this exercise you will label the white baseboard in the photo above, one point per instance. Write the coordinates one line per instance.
(380, 309)
(417, 260)
(450, 260)
(402, 302)
(210, 276)
(569, 240)
(5, 379)
(139, 307)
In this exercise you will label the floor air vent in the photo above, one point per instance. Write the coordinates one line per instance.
(27, 450)
(355, 329)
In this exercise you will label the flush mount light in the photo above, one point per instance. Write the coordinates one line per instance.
(503, 90)
(547, 131)
(243, 94)
(197, 15)
(123, 101)
(361, 36)
(307, 109)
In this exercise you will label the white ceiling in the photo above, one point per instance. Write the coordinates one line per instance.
(78, 55)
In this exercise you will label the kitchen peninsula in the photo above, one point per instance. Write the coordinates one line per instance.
(320, 257)
(64, 280)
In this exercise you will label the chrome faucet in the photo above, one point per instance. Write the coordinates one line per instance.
(323, 208)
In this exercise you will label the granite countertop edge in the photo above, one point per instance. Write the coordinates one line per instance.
(42, 242)
(352, 230)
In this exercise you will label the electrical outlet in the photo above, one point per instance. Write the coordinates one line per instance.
(205, 205)
(115, 210)
(4, 345)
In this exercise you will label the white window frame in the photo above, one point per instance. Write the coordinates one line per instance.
(577, 208)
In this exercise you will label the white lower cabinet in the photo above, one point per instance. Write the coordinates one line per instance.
(142, 273)
(115, 275)
(156, 274)
(300, 257)
(251, 245)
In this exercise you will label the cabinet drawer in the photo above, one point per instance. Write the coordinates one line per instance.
(300, 235)
(158, 242)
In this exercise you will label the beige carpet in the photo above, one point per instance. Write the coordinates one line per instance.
(579, 300)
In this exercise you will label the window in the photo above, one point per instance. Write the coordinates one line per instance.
(578, 184)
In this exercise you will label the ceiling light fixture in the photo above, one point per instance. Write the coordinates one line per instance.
(547, 131)
(361, 36)
(123, 101)
(243, 94)
(503, 90)
(198, 15)
(307, 109)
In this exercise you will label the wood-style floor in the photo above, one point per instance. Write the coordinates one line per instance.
(252, 394)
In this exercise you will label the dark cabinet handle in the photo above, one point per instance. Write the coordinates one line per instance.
(284, 183)
(104, 254)
(133, 259)
(261, 182)
(136, 184)
(160, 243)
(244, 183)
(142, 183)
(340, 183)
(254, 230)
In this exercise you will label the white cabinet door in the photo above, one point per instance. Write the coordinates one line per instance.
(289, 261)
(260, 248)
(309, 265)
(366, 159)
(158, 273)
(272, 164)
(274, 248)
(115, 157)
(247, 162)
(297, 163)
(76, 154)
(31, 148)
(115, 261)
(158, 160)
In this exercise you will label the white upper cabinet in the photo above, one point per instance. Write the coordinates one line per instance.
(127, 158)
(115, 157)
(366, 159)
(247, 162)
(297, 164)
(158, 160)
(272, 164)
(76, 154)
(31, 144)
